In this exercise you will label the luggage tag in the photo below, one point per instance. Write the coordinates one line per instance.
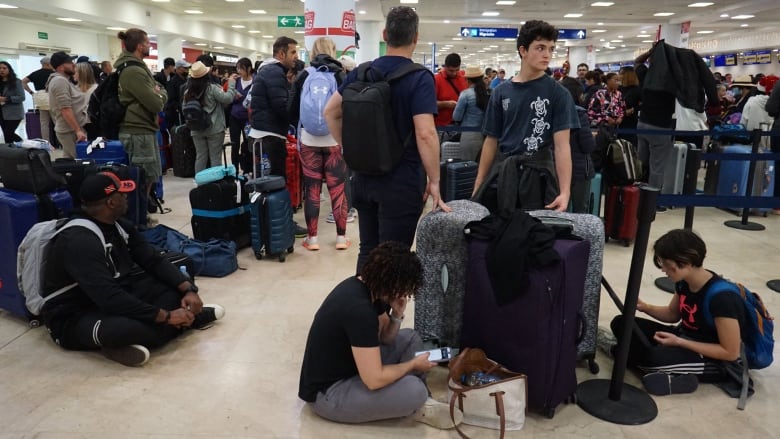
(97, 143)
(238, 190)
(36, 144)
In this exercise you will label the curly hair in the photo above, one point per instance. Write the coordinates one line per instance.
(392, 271)
(534, 30)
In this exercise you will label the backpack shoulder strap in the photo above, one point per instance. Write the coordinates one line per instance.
(405, 70)
(718, 286)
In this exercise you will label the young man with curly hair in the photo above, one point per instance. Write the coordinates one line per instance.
(359, 366)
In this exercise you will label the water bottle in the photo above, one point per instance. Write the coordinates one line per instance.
(247, 129)
(183, 270)
(266, 164)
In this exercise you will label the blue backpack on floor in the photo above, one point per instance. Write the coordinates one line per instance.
(759, 325)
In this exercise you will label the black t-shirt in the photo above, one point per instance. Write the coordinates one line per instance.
(693, 325)
(39, 78)
(345, 319)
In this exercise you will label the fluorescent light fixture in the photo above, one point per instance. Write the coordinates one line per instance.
(598, 31)
(572, 15)
(4, 6)
(257, 11)
(407, 2)
(598, 50)
(254, 31)
(648, 41)
(509, 39)
(446, 21)
(193, 11)
(161, 1)
(300, 32)
(506, 2)
(724, 15)
(600, 23)
(115, 28)
(201, 44)
(232, 1)
(222, 47)
(68, 19)
(602, 40)
(705, 32)
(742, 17)
(457, 39)
(663, 14)
(744, 25)
(491, 14)
(620, 36)
(642, 36)
(362, 12)
(602, 4)
(700, 4)
(238, 26)
(268, 36)
(615, 41)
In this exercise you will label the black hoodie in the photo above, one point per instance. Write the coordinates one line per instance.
(294, 103)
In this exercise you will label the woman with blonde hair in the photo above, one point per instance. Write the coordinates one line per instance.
(85, 77)
(320, 154)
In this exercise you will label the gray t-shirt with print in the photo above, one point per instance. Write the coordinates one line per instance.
(523, 116)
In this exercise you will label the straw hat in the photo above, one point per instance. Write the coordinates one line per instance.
(743, 81)
(199, 70)
(473, 72)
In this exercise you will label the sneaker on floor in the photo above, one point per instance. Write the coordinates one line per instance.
(606, 341)
(300, 232)
(437, 414)
(660, 209)
(659, 383)
(330, 219)
(151, 222)
(342, 243)
(310, 243)
(210, 314)
(351, 215)
(133, 355)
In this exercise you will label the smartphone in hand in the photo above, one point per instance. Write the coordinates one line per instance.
(437, 355)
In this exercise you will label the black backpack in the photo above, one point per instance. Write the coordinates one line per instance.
(370, 141)
(195, 117)
(104, 109)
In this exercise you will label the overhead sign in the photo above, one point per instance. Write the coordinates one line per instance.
(726, 60)
(572, 34)
(759, 57)
(43, 35)
(289, 21)
(488, 32)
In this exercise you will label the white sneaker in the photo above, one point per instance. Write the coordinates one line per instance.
(437, 415)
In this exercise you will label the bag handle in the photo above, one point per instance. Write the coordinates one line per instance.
(460, 394)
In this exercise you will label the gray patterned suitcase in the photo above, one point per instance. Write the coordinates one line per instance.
(591, 228)
(442, 248)
(450, 150)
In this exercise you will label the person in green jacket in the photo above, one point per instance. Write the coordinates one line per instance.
(144, 99)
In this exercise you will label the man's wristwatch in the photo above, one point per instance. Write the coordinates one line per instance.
(192, 288)
(395, 319)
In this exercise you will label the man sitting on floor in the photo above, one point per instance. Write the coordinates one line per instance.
(127, 297)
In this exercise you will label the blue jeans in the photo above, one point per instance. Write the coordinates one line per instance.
(389, 206)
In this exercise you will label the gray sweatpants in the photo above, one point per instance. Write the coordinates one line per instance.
(654, 151)
(350, 401)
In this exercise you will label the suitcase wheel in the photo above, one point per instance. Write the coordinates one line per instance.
(282, 257)
(606, 238)
(291, 249)
(258, 255)
(34, 322)
(549, 412)
(593, 367)
(626, 243)
(570, 400)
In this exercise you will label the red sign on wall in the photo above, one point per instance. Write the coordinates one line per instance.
(308, 17)
(348, 20)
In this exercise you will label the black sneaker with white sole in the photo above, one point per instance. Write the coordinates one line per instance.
(133, 355)
(659, 383)
(210, 314)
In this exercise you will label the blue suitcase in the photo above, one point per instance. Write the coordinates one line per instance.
(732, 178)
(271, 224)
(114, 152)
(595, 195)
(19, 211)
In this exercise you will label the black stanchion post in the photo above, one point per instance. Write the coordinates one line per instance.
(692, 164)
(744, 224)
(613, 400)
(774, 285)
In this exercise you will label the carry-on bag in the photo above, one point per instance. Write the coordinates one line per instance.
(733, 177)
(620, 215)
(536, 333)
(28, 170)
(450, 150)
(456, 179)
(220, 210)
(73, 171)
(32, 124)
(182, 152)
(488, 394)
(442, 249)
(103, 152)
(674, 172)
(19, 211)
(594, 202)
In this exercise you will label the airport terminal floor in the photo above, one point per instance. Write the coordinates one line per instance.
(239, 379)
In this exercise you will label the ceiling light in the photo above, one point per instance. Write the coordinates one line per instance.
(700, 4)
(744, 25)
(509, 39)
(622, 45)
(222, 47)
(68, 19)
(238, 26)
(362, 12)
(742, 17)
(648, 41)
(201, 44)
(491, 14)
(724, 15)
(446, 21)
(506, 2)
(598, 31)
(705, 32)
(234, 1)
(115, 28)
(572, 15)
(4, 6)
(602, 40)
(254, 31)
(642, 36)
(602, 4)
(268, 36)
(663, 14)
(457, 39)
(620, 36)
(600, 23)
(615, 41)
(257, 11)
(192, 11)
(598, 50)
(300, 32)
(161, 1)
(408, 2)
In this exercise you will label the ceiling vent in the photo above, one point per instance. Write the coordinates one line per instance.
(41, 49)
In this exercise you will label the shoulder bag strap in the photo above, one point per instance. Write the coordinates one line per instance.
(457, 93)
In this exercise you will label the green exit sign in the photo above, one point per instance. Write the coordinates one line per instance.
(289, 21)
(43, 36)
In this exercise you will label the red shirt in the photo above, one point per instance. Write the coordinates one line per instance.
(445, 92)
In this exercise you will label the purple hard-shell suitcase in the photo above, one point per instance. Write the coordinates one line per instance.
(537, 333)
(32, 124)
(19, 211)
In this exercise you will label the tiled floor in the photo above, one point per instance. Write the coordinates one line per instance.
(239, 379)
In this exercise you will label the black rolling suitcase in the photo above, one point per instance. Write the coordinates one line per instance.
(182, 152)
(137, 200)
(220, 210)
(28, 170)
(536, 334)
(457, 179)
(74, 171)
